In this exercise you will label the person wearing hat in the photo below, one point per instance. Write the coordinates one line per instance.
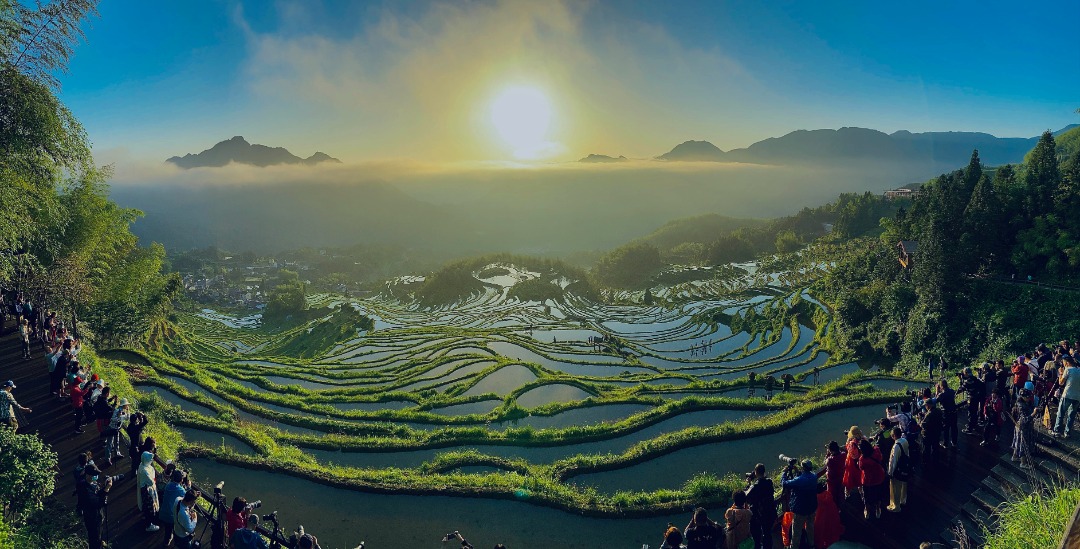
(8, 405)
(803, 503)
(119, 420)
(1069, 380)
(1024, 417)
(1020, 373)
(92, 501)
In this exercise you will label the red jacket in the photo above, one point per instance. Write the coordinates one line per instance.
(873, 472)
(234, 521)
(1020, 374)
(77, 395)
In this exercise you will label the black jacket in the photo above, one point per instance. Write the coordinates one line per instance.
(761, 498)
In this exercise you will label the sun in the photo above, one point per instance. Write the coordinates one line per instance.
(521, 116)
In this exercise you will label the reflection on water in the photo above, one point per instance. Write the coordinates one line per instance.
(341, 519)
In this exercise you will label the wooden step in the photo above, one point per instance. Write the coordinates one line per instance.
(973, 530)
(1017, 482)
(948, 538)
(1064, 456)
(1037, 476)
(977, 514)
(995, 486)
(1058, 473)
(987, 500)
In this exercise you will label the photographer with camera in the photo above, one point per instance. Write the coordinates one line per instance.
(185, 520)
(760, 496)
(947, 398)
(237, 516)
(804, 489)
(248, 537)
(93, 499)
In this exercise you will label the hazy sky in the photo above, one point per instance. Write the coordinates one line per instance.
(476, 81)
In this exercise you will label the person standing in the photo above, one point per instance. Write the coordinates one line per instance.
(24, 338)
(835, 460)
(930, 368)
(899, 471)
(93, 499)
(993, 409)
(1024, 434)
(803, 504)
(737, 522)
(118, 421)
(932, 424)
(701, 533)
(852, 475)
(173, 493)
(78, 400)
(8, 404)
(1070, 398)
(185, 520)
(947, 398)
(873, 479)
(761, 499)
(146, 496)
(974, 388)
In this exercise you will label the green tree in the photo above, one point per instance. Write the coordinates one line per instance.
(26, 474)
(287, 298)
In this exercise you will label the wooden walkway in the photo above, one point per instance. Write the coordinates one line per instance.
(52, 420)
(936, 496)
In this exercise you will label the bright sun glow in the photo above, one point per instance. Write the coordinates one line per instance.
(521, 116)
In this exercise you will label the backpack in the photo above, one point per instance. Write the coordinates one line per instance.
(913, 427)
(903, 466)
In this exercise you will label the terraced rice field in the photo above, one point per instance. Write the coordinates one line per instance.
(497, 398)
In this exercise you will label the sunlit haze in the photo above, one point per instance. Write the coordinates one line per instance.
(421, 80)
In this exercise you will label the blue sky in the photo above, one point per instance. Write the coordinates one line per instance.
(412, 79)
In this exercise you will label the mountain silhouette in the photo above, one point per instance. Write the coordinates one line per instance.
(694, 151)
(602, 159)
(832, 147)
(240, 151)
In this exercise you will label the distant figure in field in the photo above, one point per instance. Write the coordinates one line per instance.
(750, 388)
(817, 373)
(770, 382)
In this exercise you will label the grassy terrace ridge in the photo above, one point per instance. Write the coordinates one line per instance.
(543, 484)
(381, 391)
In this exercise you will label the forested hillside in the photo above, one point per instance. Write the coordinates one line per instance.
(981, 238)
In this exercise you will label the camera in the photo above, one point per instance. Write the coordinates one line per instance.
(272, 517)
(791, 462)
(450, 537)
(218, 487)
(255, 505)
(115, 478)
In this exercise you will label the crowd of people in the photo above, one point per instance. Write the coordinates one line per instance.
(873, 471)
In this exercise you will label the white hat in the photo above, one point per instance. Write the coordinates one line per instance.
(124, 402)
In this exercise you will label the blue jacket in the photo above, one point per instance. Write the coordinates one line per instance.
(248, 539)
(803, 493)
(173, 492)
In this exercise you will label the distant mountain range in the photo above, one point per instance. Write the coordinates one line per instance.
(602, 159)
(240, 151)
(830, 147)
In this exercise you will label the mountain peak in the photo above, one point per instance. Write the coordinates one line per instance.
(694, 151)
(603, 158)
(238, 150)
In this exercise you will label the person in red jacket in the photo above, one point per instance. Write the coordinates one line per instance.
(1020, 373)
(873, 478)
(236, 518)
(835, 458)
(78, 397)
